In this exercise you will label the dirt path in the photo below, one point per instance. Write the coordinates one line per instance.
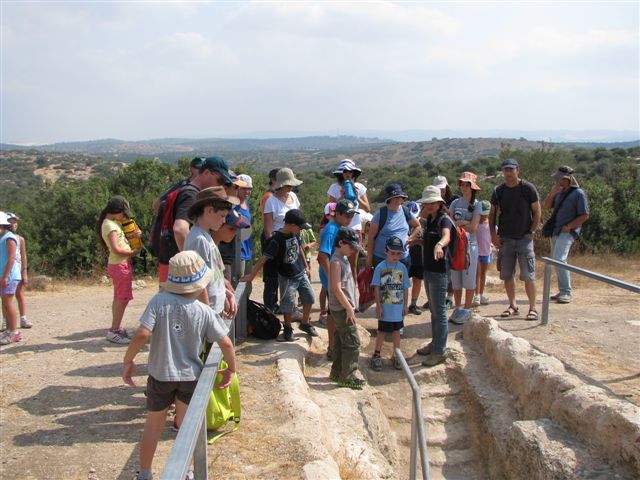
(65, 413)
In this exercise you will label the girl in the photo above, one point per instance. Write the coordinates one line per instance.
(483, 236)
(21, 260)
(9, 281)
(115, 243)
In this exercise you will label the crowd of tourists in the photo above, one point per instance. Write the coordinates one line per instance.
(408, 244)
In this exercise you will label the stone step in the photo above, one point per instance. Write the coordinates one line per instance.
(439, 390)
(452, 457)
(461, 472)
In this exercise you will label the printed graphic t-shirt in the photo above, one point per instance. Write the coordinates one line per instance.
(284, 250)
(393, 280)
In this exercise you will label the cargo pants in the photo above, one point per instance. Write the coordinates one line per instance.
(346, 347)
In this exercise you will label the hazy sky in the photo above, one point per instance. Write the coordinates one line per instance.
(81, 71)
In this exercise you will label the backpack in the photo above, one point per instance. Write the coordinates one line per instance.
(161, 234)
(261, 322)
(224, 405)
(384, 212)
(459, 250)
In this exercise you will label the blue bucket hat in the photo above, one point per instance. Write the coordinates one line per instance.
(393, 190)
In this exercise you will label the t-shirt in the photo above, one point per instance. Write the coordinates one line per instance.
(181, 206)
(327, 246)
(393, 280)
(432, 233)
(15, 273)
(459, 209)
(397, 225)
(575, 204)
(246, 246)
(514, 204)
(109, 226)
(19, 241)
(347, 284)
(284, 250)
(335, 192)
(200, 241)
(179, 325)
(484, 239)
(279, 209)
(307, 237)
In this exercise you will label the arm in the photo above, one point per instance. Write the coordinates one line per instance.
(256, 268)
(575, 223)
(363, 202)
(495, 239)
(405, 310)
(267, 221)
(180, 232)
(417, 230)
(230, 357)
(438, 250)
(11, 258)
(23, 255)
(373, 232)
(376, 291)
(304, 262)
(537, 214)
(323, 260)
(548, 201)
(137, 342)
(472, 226)
(334, 285)
(230, 305)
(113, 243)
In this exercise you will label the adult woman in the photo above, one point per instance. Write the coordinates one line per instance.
(347, 186)
(466, 212)
(115, 243)
(275, 208)
(436, 234)
(391, 220)
(10, 277)
(442, 184)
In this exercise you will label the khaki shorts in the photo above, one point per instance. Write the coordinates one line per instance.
(520, 250)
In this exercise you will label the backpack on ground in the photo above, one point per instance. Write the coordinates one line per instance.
(224, 405)
(459, 251)
(261, 322)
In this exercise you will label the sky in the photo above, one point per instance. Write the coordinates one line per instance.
(73, 71)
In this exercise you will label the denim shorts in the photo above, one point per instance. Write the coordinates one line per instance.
(485, 259)
(520, 250)
(160, 395)
(288, 289)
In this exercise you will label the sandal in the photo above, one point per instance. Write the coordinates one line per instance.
(511, 311)
(532, 315)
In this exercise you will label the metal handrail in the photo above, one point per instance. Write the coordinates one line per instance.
(192, 436)
(418, 436)
(581, 271)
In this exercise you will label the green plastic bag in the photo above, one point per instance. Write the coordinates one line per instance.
(224, 405)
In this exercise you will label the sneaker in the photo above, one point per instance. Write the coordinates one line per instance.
(288, 333)
(117, 337)
(309, 329)
(415, 310)
(564, 298)
(462, 317)
(426, 305)
(484, 300)
(354, 383)
(425, 350)
(8, 337)
(476, 301)
(24, 323)
(124, 333)
(555, 297)
(396, 363)
(190, 475)
(454, 315)
(323, 318)
(138, 477)
(376, 363)
(434, 359)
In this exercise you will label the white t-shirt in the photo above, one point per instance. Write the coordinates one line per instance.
(200, 241)
(335, 191)
(279, 209)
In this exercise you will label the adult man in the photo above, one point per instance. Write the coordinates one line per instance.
(269, 274)
(519, 206)
(570, 211)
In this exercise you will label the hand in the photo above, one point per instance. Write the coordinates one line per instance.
(127, 371)
(438, 252)
(566, 229)
(138, 233)
(246, 279)
(495, 239)
(557, 188)
(369, 263)
(25, 280)
(4, 281)
(135, 251)
(227, 376)
(231, 307)
(351, 317)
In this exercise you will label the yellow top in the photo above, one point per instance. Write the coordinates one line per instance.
(109, 226)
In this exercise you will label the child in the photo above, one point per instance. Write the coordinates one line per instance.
(308, 241)
(483, 236)
(21, 260)
(177, 324)
(225, 235)
(208, 212)
(342, 302)
(9, 281)
(293, 272)
(114, 241)
(391, 282)
(329, 213)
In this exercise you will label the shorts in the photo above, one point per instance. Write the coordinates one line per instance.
(160, 395)
(485, 259)
(416, 271)
(391, 327)
(466, 278)
(122, 276)
(520, 249)
(163, 272)
(11, 288)
(290, 286)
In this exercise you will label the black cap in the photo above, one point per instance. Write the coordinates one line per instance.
(273, 173)
(350, 236)
(296, 217)
(395, 244)
(346, 207)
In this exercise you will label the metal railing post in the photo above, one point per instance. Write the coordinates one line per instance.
(545, 293)
(200, 464)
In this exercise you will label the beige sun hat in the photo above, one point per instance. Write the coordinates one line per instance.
(285, 177)
(188, 273)
(440, 181)
(430, 194)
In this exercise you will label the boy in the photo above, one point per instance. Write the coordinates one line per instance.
(177, 324)
(225, 235)
(391, 282)
(342, 302)
(293, 271)
(208, 212)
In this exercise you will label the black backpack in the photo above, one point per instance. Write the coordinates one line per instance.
(262, 323)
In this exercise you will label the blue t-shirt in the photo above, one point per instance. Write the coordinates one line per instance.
(327, 246)
(393, 280)
(396, 225)
(246, 246)
(459, 209)
(574, 205)
(15, 273)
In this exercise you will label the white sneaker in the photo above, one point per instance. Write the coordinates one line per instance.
(117, 337)
(484, 300)
(476, 301)
(24, 323)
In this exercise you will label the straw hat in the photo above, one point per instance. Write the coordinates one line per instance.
(430, 194)
(471, 178)
(188, 273)
(286, 178)
(440, 182)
